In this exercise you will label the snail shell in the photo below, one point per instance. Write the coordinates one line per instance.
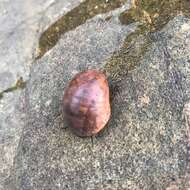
(86, 103)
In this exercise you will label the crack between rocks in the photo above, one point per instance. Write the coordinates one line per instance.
(20, 84)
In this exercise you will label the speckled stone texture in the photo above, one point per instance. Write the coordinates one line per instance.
(21, 24)
(146, 144)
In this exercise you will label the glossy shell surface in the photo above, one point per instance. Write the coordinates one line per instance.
(86, 103)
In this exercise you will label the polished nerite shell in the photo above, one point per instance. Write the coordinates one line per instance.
(86, 103)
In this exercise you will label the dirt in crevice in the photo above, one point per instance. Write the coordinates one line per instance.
(129, 55)
(20, 84)
(155, 13)
(76, 17)
(152, 16)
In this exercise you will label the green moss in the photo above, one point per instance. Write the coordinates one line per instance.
(20, 84)
(152, 15)
(72, 19)
(129, 55)
(1, 95)
(155, 13)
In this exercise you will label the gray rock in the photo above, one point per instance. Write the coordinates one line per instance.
(146, 143)
(21, 24)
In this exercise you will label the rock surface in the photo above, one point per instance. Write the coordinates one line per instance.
(146, 143)
(21, 23)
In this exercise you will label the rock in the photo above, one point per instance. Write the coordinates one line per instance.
(21, 23)
(10, 132)
(144, 146)
(98, 40)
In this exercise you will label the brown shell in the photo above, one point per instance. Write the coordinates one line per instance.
(86, 103)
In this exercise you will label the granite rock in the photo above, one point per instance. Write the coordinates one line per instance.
(21, 24)
(146, 143)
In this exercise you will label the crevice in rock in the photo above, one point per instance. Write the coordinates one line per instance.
(20, 84)
(76, 17)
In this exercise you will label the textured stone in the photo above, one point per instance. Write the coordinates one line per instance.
(145, 145)
(21, 24)
(98, 40)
